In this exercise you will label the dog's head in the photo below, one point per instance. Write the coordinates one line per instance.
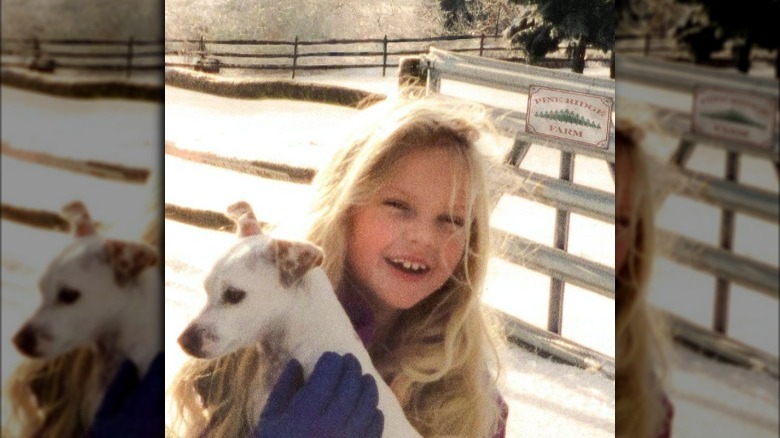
(249, 289)
(84, 289)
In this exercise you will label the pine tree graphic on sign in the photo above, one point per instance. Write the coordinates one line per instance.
(733, 116)
(567, 116)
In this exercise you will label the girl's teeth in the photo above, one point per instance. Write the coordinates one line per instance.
(409, 265)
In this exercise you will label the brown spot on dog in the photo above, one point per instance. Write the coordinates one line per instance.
(128, 259)
(294, 259)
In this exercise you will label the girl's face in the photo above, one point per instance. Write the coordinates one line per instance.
(623, 210)
(407, 239)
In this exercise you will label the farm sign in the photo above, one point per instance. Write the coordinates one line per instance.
(736, 116)
(566, 115)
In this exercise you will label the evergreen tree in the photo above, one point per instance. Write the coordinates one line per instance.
(582, 22)
(752, 23)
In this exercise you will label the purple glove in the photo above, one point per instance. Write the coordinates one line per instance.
(130, 409)
(337, 401)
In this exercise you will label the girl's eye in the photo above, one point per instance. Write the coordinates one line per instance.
(455, 221)
(400, 205)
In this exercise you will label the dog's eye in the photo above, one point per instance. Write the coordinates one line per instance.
(68, 296)
(233, 295)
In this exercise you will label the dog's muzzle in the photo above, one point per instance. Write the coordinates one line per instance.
(192, 340)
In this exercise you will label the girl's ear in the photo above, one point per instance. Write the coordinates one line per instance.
(294, 259)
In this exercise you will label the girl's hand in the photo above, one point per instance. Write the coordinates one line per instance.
(336, 401)
(132, 409)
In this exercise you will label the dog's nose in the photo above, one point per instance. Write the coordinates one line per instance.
(25, 340)
(192, 340)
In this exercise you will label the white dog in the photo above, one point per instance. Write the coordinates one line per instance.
(264, 286)
(101, 291)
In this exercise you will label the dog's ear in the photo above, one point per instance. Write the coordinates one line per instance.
(242, 214)
(128, 259)
(76, 213)
(294, 259)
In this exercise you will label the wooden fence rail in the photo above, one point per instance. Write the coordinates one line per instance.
(47, 55)
(661, 45)
(383, 52)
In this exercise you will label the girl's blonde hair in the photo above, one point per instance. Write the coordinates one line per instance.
(436, 361)
(439, 357)
(57, 397)
(48, 397)
(640, 363)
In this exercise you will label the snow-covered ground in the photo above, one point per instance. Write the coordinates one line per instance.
(712, 399)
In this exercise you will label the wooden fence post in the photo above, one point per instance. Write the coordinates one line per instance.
(727, 219)
(295, 56)
(481, 43)
(433, 84)
(129, 57)
(36, 48)
(39, 61)
(411, 74)
(561, 237)
(202, 48)
(498, 18)
(384, 56)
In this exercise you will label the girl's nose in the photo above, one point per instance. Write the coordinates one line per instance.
(420, 233)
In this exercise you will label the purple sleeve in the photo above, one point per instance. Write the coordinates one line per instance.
(361, 318)
(501, 432)
(666, 430)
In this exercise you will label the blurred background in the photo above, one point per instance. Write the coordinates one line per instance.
(81, 120)
(716, 273)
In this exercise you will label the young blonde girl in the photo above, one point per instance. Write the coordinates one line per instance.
(642, 408)
(431, 343)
